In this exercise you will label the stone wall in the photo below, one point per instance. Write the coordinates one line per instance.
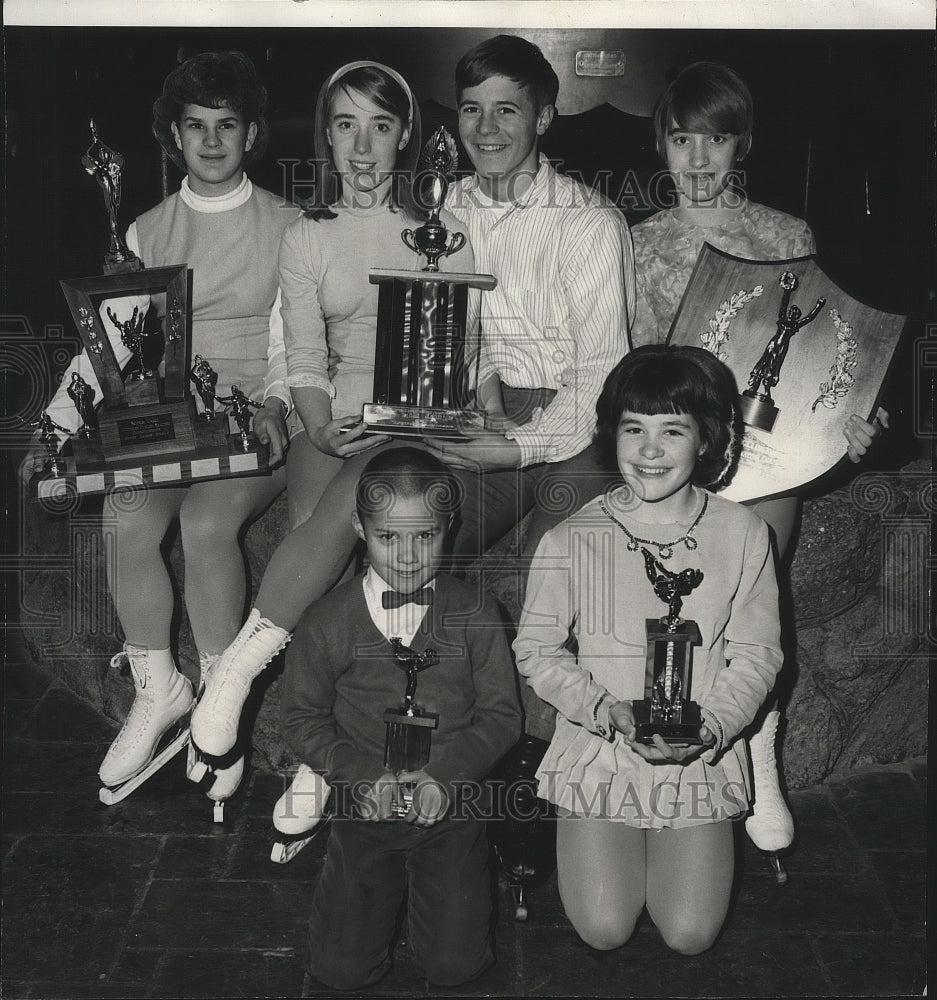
(854, 685)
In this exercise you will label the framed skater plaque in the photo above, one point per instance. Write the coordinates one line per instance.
(805, 355)
(424, 374)
(145, 431)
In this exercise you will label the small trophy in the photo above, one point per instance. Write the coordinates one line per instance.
(205, 378)
(82, 395)
(241, 408)
(106, 166)
(666, 709)
(422, 381)
(409, 728)
(55, 464)
(756, 405)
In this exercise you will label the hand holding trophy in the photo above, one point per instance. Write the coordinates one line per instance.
(409, 728)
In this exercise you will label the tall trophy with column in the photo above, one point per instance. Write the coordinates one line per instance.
(425, 368)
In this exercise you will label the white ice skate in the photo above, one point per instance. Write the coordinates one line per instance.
(218, 783)
(297, 816)
(216, 717)
(770, 826)
(156, 728)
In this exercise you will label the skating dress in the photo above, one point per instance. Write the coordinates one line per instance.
(586, 583)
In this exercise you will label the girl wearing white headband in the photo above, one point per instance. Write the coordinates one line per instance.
(367, 142)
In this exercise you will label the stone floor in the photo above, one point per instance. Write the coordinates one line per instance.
(148, 898)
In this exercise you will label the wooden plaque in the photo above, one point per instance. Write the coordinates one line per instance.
(833, 366)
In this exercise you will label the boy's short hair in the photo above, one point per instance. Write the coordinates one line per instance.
(212, 80)
(407, 472)
(706, 97)
(511, 57)
(657, 379)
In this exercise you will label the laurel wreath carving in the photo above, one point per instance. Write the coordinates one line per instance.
(841, 377)
(717, 335)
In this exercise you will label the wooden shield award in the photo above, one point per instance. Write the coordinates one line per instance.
(146, 432)
(424, 371)
(805, 356)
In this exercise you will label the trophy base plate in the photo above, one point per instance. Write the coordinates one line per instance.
(216, 455)
(686, 731)
(758, 412)
(422, 421)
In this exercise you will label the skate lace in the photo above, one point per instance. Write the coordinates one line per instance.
(125, 663)
(227, 693)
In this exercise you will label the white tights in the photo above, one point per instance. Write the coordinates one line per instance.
(608, 872)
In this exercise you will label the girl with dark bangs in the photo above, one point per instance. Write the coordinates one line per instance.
(650, 824)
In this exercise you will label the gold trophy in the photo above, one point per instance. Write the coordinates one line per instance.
(409, 729)
(666, 709)
(423, 382)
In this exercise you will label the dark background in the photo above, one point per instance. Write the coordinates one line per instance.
(843, 137)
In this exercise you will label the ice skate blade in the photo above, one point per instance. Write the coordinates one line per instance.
(110, 796)
(284, 850)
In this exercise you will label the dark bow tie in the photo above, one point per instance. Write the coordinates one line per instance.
(394, 599)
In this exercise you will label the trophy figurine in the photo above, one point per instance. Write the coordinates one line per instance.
(106, 165)
(439, 160)
(755, 403)
(55, 465)
(422, 382)
(131, 336)
(205, 378)
(409, 728)
(666, 709)
(82, 395)
(241, 408)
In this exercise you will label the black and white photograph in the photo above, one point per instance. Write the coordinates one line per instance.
(468, 498)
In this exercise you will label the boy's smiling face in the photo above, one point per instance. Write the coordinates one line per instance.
(405, 541)
(499, 125)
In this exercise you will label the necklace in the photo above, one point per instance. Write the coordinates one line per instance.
(665, 549)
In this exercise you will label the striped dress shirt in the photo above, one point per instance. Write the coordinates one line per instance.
(560, 314)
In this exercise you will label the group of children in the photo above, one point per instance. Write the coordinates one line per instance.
(282, 306)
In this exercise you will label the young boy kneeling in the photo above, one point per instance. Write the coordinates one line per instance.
(347, 665)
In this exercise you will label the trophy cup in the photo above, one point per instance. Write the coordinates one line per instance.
(666, 709)
(422, 380)
(106, 166)
(756, 405)
(82, 395)
(241, 408)
(409, 728)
